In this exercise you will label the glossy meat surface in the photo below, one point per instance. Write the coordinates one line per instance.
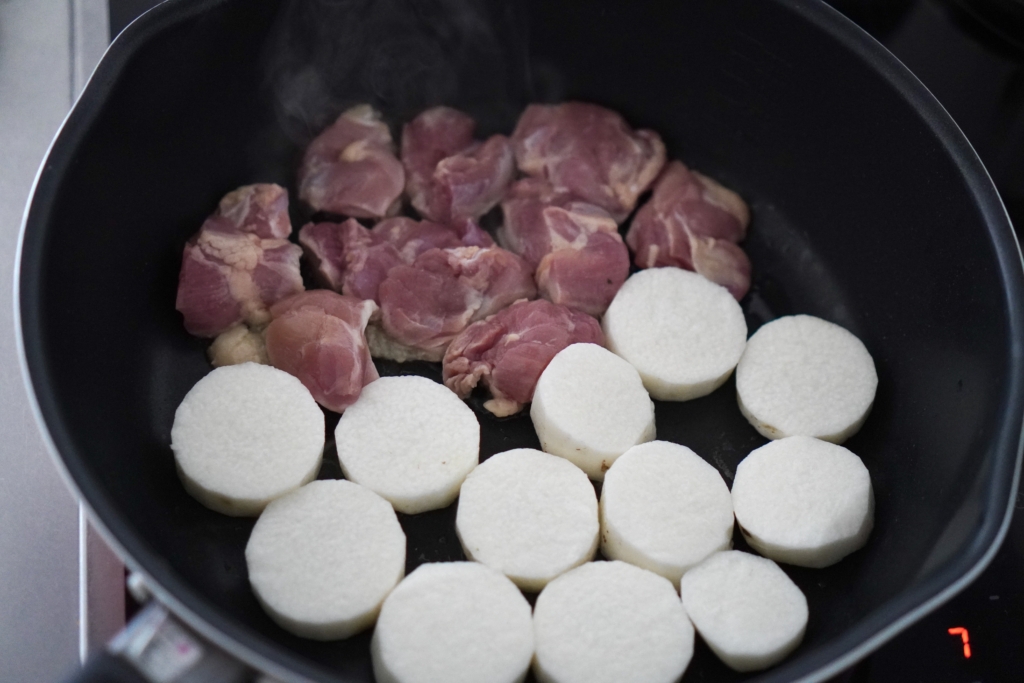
(693, 222)
(508, 351)
(590, 152)
(318, 336)
(351, 169)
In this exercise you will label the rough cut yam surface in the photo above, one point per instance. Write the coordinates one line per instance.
(745, 608)
(456, 622)
(665, 509)
(802, 375)
(683, 333)
(590, 407)
(528, 514)
(245, 435)
(323, 558)
(410, 440)
(803, 501)
(610, 622)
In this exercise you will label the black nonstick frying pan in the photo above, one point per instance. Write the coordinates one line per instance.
(870, 209)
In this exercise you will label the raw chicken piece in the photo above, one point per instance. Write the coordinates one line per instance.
(449, 177)
(260, 209)
(580, 258)
(238, 345)
(426, 304)
(351, 168)
(508, 351)
(693, 222)
(227, 279)
(590, 152)
(318, 337)
(353, 260)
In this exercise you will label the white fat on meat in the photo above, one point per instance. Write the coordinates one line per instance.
(802, 375)
(318, 336)
(683, 333)
(245, 435)
(693, 222)
(528, 514)
(803, 501)
(665, 509)
(449, 176)
(457, 622)
(322, 559)
(590, 152)
(239, 344)
(508, 351)
(427, 304)
(410, 440)
(608, 622)
(351, 168)
(575, 247)
(239, 263)
(745, 608)
(590, 407)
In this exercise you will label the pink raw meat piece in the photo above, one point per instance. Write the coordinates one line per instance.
(239, 263)
(351, 169)
(590, 152)
(580, 259)
(411, 237)
(318, 337)
(426, 304)
(508, 351)
(260, 209)
(693, 222)
(449, 177)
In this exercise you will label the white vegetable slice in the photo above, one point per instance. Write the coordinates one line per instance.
(457, 622)
(611, 622)
(245, 435)
(528, 514)
(802, 375)
(410, 440)
(590, 407)
(803, 501)
(747, 610)
(323, 558)
(682, 332)
(665, 509)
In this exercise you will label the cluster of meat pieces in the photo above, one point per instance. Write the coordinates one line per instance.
(439, 288)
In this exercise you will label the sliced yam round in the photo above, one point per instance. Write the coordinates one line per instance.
(682, 332)
(745, 608)
(528, 514)
(457, 622)
(610, 622)
(245, 435)
(665, 509)
(802, 375)
(590, 407)
(323, 558)
(410, 440)
(803, 501)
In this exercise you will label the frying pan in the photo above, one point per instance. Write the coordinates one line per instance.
(870, 210)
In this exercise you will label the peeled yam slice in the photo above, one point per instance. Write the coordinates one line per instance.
(803, 501)
(681, 331)
(410, 440)
(245, 435)
(323, 558)
(528, 514)
(802, 375)
(610, 622)
(590, 407)
(747, 610)
(457, 622)
(665, 509)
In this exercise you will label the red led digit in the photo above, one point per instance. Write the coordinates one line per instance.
(962, 632)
